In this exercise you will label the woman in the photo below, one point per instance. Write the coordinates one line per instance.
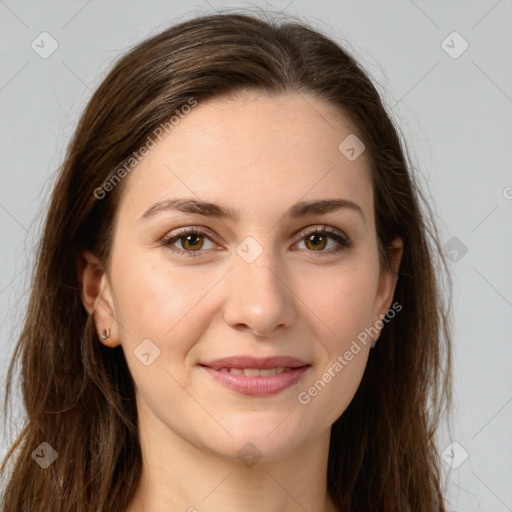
(234, 227)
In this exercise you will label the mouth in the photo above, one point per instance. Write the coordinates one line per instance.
(256, 372)
(252, 376)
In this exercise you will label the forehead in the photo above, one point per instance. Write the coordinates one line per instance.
(255, 152)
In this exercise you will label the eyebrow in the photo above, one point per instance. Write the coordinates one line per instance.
(208, 209)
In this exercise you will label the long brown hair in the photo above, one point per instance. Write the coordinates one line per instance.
(79, 395)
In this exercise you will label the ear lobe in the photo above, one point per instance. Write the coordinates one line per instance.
(96, 297)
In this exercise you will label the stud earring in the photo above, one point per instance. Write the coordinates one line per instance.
(105, 334)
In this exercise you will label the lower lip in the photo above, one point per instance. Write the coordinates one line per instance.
(258, 386)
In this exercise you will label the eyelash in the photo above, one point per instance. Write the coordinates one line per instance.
(343, 241)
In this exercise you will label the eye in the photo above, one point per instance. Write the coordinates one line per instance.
(192, 240)
(316, 240)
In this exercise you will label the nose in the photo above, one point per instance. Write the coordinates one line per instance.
(258, 298)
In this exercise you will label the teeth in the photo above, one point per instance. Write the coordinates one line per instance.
(257, 372)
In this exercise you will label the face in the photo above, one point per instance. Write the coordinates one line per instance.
(258, 283)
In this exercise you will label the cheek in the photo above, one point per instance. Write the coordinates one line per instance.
(165, 304)
(342, 299)
(154, 299)
(341, 304)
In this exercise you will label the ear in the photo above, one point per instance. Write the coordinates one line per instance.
(387, 281)
(96, 296)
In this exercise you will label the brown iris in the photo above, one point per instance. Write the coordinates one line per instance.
(192, 241)
(319, 244)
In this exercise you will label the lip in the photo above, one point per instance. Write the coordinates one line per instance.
(244, 361)
(258, 386)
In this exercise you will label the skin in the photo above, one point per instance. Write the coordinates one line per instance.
(259, 155)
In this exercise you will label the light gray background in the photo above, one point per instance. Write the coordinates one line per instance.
(455, 115)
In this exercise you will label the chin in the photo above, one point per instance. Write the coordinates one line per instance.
(265, 438)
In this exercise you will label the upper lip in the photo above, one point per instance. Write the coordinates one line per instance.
(243, 361)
